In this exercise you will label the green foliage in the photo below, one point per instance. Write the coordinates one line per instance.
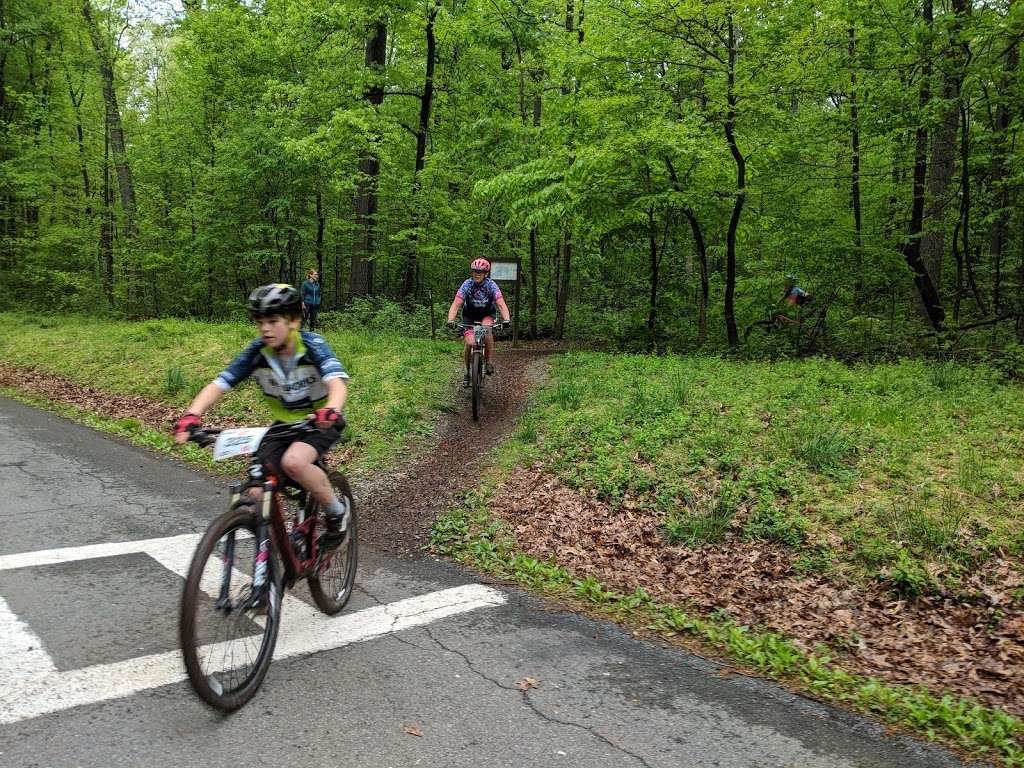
(245, 136)
(823, 447)
(871, 457)
(908, 577)
(773, 523)
(174, 380)
(706, 524)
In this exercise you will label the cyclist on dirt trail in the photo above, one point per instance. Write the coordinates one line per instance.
(298, 373)
(793, 297)
(480, 299)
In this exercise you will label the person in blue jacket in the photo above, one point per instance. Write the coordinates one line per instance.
(311, 294)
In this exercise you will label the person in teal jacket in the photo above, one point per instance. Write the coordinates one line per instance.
(311, 294)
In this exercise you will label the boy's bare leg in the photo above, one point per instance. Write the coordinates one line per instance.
(297, 462)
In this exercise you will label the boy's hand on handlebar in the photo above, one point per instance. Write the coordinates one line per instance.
(452, 325)
(185, 426)
(324, 418)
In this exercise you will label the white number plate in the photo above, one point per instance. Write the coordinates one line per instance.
(235, 442)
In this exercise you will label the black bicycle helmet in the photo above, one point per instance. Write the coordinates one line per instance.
(275, 299)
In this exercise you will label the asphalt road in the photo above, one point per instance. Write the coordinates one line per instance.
(89, 673)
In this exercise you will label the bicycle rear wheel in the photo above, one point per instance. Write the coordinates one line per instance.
(331, 584)
(227, 640)
(478, 383)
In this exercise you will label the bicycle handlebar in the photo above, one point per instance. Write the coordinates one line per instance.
(207, 436)
(493, 327)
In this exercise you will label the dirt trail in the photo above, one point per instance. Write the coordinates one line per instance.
(397, 508)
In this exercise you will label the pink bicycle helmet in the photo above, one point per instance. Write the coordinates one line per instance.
(480, 265)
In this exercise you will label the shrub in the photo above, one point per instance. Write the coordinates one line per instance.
(908, 577)
(174, 380)
(708, 522)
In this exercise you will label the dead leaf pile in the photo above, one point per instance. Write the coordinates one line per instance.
(60, 390)
(969, 647)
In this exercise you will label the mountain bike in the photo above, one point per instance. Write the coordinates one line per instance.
(268, 540)
(804, 330)
(476, 360)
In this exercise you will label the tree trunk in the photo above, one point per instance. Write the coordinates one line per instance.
(426, 102)
(962, 248)
(998, 171)
(933, 241)
(361, 279)
(858, 261)
(912, 249)
(741, 191)
(113, 117)
(554, 283)
(76, 96)
(321, 224)
(106, 244)
(533, 282)
(702, 259)
(562, 297)
(655, 261)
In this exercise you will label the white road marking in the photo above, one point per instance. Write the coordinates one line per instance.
(31, 686)
(21, 652)
(90, 551)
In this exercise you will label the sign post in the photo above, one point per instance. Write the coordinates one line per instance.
(508, 271)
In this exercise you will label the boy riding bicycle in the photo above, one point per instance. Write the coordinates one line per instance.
(480, 299)
(298, 373)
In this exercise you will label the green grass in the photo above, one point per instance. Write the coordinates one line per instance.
(902, 462)
(398, 384)
(470, 535)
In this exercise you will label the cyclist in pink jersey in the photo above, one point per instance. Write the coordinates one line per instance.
(480, 299)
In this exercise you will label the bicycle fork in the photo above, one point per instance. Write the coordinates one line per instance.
(258, 592)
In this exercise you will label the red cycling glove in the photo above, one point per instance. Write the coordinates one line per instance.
(329, 416)
(187, 423)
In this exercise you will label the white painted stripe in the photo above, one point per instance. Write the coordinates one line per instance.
(21, 651)
(39, 695)
(90, 551)
(174, 553)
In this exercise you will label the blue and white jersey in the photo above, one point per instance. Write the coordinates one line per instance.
(292, 388)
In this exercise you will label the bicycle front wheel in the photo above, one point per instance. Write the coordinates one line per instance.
(227, 632)
(333, 580)
(478, 382)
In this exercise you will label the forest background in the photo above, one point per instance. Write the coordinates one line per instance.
(654, 166)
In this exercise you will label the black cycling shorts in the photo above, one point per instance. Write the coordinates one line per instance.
(271, 451)
(471, 314)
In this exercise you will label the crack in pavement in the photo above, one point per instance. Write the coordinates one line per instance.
(376, 600)
(534, 707)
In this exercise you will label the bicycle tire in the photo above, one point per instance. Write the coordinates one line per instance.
(478, 378)
(332, 584)
(211, 689)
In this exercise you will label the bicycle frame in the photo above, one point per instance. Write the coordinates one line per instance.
(273, 524)
(272, 527)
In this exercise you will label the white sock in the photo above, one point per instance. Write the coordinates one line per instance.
(339, 509)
